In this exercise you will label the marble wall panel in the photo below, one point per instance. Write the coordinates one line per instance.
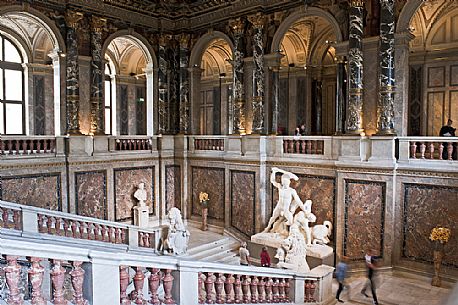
(91, 194)
(42, 190)
(425, 207)
(243, 201)
(364, 217)
(126, 181)
(172, 187)
(210, 180)
(320, 189)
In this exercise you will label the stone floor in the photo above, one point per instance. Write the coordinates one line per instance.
(398, 290)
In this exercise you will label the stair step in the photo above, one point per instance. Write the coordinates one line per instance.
(207, 246)
(215, 250)
(221, 254)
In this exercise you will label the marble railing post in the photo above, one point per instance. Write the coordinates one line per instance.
(73, 99)
(163, 86)
(340, 96)
(184, 84)
(385, 107)
(354, 117)
(237, 26)
(258, 22)
(97, 71)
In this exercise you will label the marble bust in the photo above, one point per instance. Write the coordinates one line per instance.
(141, 195)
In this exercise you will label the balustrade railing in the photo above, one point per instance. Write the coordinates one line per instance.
(209, 144)
(10, 218)
(429, 148)
(133, 143)
(303, 145)
(27, 145)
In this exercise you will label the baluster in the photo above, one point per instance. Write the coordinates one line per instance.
(209, 288)
(309, 146)
(139, 279)
(168, 285)
(5, 217)
(287, 291)
(237, 290)
(261, 290)
(118, 236)
(57, 226)
(90, 231)
(123, 283)
(45, 145)
(285, 146)
(111, 237)
(57, 280)
(74, 228)
(49, 222)
(281, 291)
(254, 289)
(83, 228)
(2, 146)
(35, 274)
(52, 145)
(153, 283)
(104, 232)
(201, 288)
(312, 290)
(146, 240)
(297, 146)
(290, 146)
(77, 275)
(38, 147)
(413, 150)
(17, 219)
(40, 223)
(269, 297)
(441, 151)
(2, 224)
(422, 149)
(13, 278)
(228, 288)
(10, 147)
(307, 297)
(21, 147)
(219, 285)
(449, 150)
(303, 143)
(246, 289)
(66, 226)
(17, 146)
(275, 293)
(124, 144)
(98, 235)
(431, 150)
(141, 242)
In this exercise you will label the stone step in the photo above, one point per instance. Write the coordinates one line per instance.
(230, 259)
(204, 247)
(216, 250)
(222, 252)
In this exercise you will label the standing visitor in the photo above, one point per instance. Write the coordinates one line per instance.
(341, 273)
(371, 261)
(265, 258)
(244, 255)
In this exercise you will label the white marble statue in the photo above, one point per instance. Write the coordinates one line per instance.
(321, 233)
(141, 195)
(296, 251)
(175, 239)
(302, 220)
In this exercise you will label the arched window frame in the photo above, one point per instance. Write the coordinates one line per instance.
(11, 66)
(110, 97)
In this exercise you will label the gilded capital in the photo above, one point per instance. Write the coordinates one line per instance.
(98, 24)
(72, 18)
(357, 3)
(257, 20)
(236, 25)
(184, 40)
(164, 38)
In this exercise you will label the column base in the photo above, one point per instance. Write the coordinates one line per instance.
(357, 132)
(389, 132)
(74, 132)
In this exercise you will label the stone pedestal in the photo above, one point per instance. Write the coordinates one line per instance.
(141, 216)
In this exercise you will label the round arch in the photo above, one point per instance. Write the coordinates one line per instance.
(406, 14)
(291, 19)
(49, 26)
(142, 43)
(19, 42)
(202, 44)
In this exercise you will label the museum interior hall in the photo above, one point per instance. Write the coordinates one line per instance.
(159, 151)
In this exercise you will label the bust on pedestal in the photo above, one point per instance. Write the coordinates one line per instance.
(141, 211)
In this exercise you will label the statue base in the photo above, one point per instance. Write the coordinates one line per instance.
(316, 254)
(141, 216)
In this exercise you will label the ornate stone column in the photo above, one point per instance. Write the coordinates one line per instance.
(72, 19)
(340, 95)
(385, 106)
(97, 71)
(354, 117)
(184, 83)
(275, 99)
(163, 86)
(238, 90)
(258, 21)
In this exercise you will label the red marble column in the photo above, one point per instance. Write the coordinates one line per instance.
(269, 297)
(139, 279)
(228, 288)
(13, 276)
(246, 289)
(254, 289)
(154, 281)
(219, 285)
(261, 290)
(77, 275)
(36, 280)
(168, 284)
(209, 288)
(237, 289)
(123, 283)
(57, 280)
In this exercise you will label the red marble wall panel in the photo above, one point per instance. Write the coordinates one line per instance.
(126, 182)
(211, 181)
(243, 201)
(321, 190)
(91, 194)
(425, 207)
(172, 187)
(42, 191)
(364, 217)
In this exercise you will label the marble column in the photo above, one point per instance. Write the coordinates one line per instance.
(275, 99)
(163, 86)
(184, 84)
(72, 19)
(354, 117)
(317, 86)
(258, 22)
(340, 96)
(385, 106)
(149, 72)
(237, 26)
(56, 64)
(97, 71)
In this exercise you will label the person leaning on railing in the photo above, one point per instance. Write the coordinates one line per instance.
(448, 131)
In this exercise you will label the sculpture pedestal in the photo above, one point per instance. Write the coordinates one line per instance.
(141, 216)
(204, 226)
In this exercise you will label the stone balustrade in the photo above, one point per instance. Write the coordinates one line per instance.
(428, 148)
(27, 145)
(133, 143)
(10, 218)
(303, 145)
(208, 143)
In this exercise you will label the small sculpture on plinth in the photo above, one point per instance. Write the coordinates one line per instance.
(175, 237)
(321, 233)
(296, 251)
(141, 211)
(440, 237)
(203, 199)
